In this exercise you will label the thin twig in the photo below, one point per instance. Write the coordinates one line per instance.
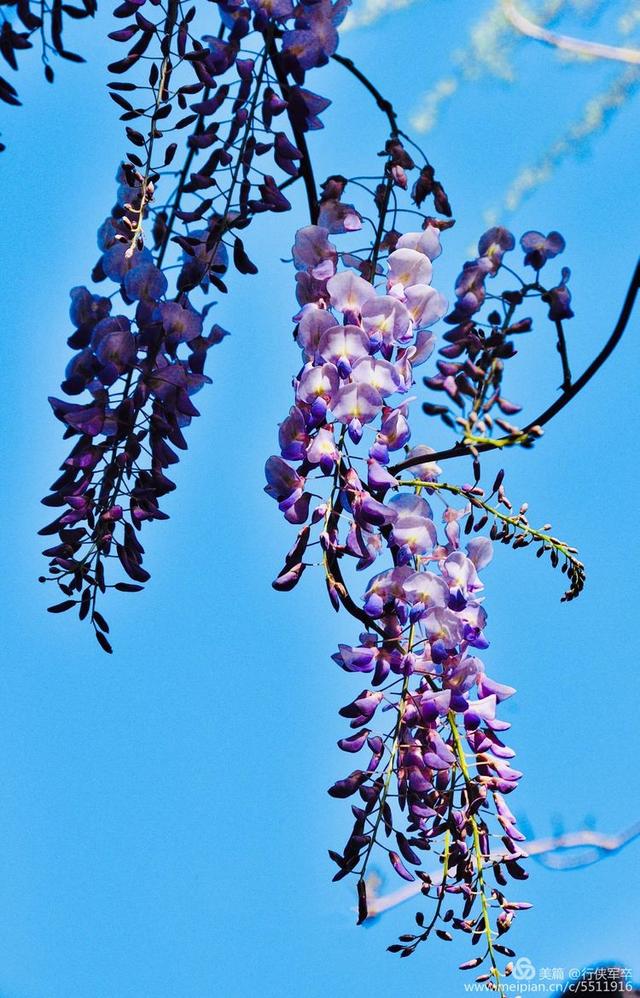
(385, 106)
(305, 164)
(593, 50)
(605, 845)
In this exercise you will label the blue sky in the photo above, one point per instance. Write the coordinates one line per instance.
(164, 821)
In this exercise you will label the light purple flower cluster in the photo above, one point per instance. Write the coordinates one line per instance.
(141, 363)
(438, 769)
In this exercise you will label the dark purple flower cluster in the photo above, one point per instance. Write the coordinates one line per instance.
(46, 21)
(471, 370)
(137, 371)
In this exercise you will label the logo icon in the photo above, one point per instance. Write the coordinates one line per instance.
(523, 969)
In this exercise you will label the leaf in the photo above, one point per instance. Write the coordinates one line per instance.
(288, 578)
(399, 867)
(104, 644)
(85, 603)
(504, 950)
(77, 13)
(121, 102)
(170, 153)
(62, 607)
(100, 621)
(135, 137)
(242, 262)
(363, 911)
(8, 93)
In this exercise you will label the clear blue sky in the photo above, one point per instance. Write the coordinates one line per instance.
(163, 815)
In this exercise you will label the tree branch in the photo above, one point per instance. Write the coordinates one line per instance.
(385, 106)
(594, 50)
(603, 845)
(462, 449)
(306, 168)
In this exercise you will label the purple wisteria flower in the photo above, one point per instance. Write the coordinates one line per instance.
(559, 299)
(314, 37)
(470, 286)
(138, 364)
(435, 772)
(539, 248)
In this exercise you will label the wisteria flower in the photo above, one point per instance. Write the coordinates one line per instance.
(339, 217)
(180, 324)
(318, 383)
(379, 374)
(313, 252)
(427, 471)
(494, 244)
(413, 530)
(85, 311)
(343, 346)
(114, 346)
(313, 322)
(387, 320)
(284, 484)
(292, 436)
(355, 405)
(559, 299)
(425, 591)
(349, 292)
(316, 38)
(461, 575)
(427, 242)
(407, 267)
(539, 248)
(273, 8)
(424, 304)
(386, 588)
(322, 450)
(145, 282)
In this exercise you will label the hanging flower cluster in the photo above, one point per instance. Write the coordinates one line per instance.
(44, 21)
(471, 369)
(142, 361)
(436, 772)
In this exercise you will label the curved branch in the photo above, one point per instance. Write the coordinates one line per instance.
(529, 431)
(306, 168)
(595, 50)
(604, 845)
(385, 106)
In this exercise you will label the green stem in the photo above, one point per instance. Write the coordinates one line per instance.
(393, 751)
(488, 932)
(518, 522)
